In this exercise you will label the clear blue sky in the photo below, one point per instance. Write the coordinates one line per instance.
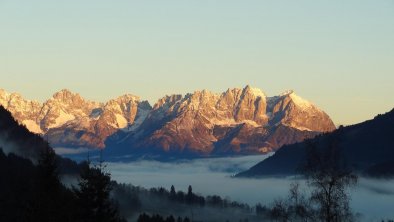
(338, 54)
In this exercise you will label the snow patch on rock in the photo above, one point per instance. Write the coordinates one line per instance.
(258, 92)
(121, 121)
(300, 102)
(62, 119)
(32, 126)
(141, 116)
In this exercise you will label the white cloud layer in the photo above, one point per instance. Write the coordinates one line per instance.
(213, 176)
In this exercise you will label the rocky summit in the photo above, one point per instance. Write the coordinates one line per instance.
(238, 121)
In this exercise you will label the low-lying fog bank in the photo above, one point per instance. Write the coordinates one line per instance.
(372, 198)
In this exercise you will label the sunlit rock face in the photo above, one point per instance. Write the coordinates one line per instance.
(238, 121)
(67, 119)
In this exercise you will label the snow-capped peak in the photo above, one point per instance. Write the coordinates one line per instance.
(297, 100)
(256, 91)
(287, 92)
(302, 103)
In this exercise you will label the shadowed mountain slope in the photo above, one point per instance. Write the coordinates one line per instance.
(367, 147)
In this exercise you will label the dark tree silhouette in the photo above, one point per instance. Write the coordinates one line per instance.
(158, 218)
(329, 178)
(172, 193)
(53, 201)
(48, 171)
(328, 175)
(49, 187)
(93, 196)
(189, 196)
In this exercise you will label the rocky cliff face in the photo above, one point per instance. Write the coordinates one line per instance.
(238, 121)
(67, 119)
(25, 111)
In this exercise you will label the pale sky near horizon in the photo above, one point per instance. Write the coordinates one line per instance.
(337, 54)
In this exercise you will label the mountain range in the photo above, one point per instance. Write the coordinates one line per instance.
(367, 148)
(69, 120)
(238, 121)
(15, 139)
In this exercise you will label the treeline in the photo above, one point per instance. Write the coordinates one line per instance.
(191, 198)
(158, 218)
(34, 192)
(135, 193)
(160, 201)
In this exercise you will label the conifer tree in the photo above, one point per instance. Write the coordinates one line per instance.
(172, 193)
(48, 171)
(93, 195)
(46, 205)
